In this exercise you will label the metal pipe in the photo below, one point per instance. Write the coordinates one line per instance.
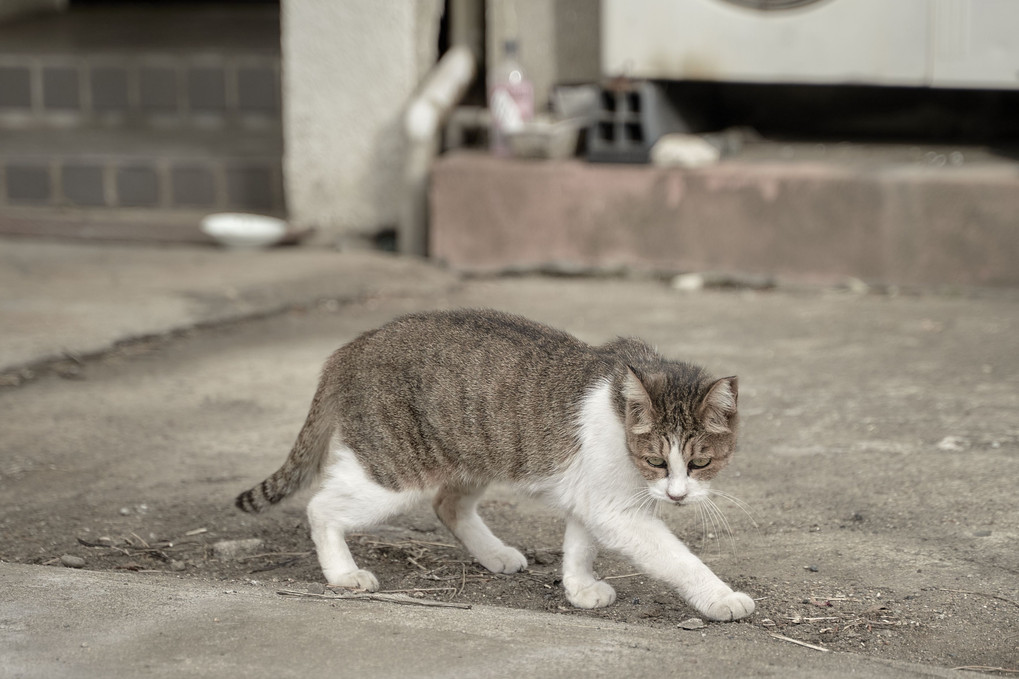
(443, 88)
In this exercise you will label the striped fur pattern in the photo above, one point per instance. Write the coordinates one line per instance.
(443, 403)
(304, 463)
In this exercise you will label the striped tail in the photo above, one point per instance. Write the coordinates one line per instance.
(302, 464)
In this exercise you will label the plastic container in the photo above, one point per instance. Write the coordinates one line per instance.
(510, 99)
(240, 230)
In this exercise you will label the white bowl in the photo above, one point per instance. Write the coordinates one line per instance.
(242, 230)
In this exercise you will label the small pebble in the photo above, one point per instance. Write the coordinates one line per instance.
(177, 566)
(952, 443)
(692, 623)
(70, 372)
(232, 549)
(72, 561)
(981, 533)
(689, 282)
(316, 588)
(857, 286)
(812, 568)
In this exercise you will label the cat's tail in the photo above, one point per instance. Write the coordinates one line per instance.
(302, 464)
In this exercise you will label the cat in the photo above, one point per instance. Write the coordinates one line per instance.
(454, 400)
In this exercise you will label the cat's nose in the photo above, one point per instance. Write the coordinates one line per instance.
(676, 498)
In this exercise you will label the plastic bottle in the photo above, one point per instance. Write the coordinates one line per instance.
(510, 99)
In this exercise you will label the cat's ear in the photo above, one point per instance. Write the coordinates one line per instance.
(639, 411)
(717, 412)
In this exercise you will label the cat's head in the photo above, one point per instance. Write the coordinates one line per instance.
(680, 429)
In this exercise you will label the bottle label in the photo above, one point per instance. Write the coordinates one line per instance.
(511, 107)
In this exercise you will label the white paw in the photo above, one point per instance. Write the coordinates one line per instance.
(598, 594)
(503, 560)
(732, 606)
(359, 579)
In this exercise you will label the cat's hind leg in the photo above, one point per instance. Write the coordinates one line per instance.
(583, 588)
(457, 508)
(348, 500)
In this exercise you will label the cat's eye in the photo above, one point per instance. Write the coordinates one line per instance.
(658, 462)
(700, 462)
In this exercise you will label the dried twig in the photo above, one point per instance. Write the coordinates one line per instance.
(417, 589)
(86, 543)
(377, 596)
(619, 577)
(800, 643)
(268, 554)
(132, 550)
(369, 539)
(430, 544)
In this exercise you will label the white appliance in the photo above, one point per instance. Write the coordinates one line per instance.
(933, 43)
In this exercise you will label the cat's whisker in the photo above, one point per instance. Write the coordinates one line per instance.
(643, 506)
(719, 523)
(653, 504)
(725, 524)
(744, 507)
(704, 522)
(644, 502)
(709, 525)
(732, 498)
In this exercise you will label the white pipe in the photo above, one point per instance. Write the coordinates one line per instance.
(443, 88)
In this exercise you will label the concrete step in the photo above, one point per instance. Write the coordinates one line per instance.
(183, 66)
(886, 214)
(124, 121)
(141, 169)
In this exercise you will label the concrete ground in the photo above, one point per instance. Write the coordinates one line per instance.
(143, 388)
(63, 623)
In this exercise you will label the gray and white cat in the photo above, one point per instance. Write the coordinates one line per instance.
(452, 401)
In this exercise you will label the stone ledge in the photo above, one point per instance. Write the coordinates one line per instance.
(811, 221)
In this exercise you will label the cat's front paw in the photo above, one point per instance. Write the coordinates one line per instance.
(598, 594)
(732, 606)
(503, 560)
(359, 579)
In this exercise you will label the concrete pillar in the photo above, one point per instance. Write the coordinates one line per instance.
(349, 69)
